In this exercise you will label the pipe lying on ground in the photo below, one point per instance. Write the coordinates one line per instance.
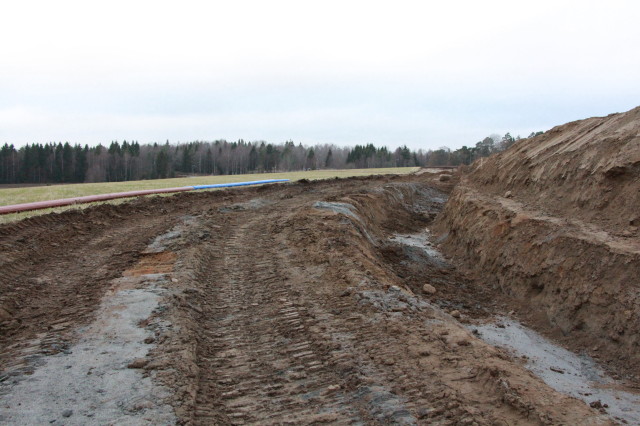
(16, 208)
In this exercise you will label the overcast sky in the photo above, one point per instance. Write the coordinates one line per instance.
(426, 74)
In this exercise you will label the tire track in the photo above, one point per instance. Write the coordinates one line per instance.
(259, 359)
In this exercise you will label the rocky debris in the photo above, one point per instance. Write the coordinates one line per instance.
(393, 300)
(598, 405)
(429, 289)
(67, 413)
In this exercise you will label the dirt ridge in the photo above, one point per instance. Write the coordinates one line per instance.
(553, 222)
(587, 169)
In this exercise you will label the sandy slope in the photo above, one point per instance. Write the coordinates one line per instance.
(553, 221)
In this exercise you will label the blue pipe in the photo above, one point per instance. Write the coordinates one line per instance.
(225, 185)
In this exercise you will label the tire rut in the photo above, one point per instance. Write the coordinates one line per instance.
(258, 358)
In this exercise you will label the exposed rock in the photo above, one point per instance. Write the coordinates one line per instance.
(429, 289)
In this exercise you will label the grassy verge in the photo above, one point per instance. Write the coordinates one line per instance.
(10, 196)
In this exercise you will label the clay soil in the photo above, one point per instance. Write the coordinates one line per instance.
(287, 304)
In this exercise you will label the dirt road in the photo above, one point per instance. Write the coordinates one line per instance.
(293, 304)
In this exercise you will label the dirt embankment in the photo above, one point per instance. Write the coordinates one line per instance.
(554, 222)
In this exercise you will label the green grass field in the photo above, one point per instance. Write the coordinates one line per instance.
(11, 196)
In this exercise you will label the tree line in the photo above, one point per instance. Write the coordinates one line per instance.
(66, 163)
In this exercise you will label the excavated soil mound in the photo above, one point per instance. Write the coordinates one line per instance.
(587, 170)
(554, 221)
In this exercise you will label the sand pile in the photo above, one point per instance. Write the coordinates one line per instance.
(554, 221)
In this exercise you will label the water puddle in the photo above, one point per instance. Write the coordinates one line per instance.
(564, 371)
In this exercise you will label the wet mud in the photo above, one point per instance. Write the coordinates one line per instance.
(301, 303)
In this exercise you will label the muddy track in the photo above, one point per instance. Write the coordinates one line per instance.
(258, 359)
(272, 353)
(299, 320)
(283, 305)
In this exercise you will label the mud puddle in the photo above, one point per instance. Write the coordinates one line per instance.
(100, 379)
(91, 383)
(575, 375)
(420, 240)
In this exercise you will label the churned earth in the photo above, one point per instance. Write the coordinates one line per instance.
(554, 222)
(303, 303)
